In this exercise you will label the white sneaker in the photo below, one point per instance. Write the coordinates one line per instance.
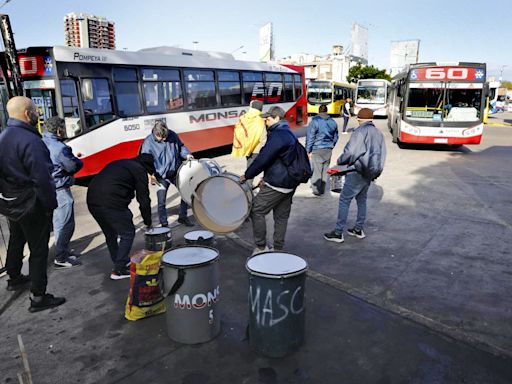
(258, 250)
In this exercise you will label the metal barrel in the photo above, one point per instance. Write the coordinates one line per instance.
(276, 303)
(191, 286)
(158, 239)
(205, 238)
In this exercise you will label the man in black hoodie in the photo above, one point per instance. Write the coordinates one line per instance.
(108, 197)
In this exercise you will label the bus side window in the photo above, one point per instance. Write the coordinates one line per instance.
(126, 89)
(298, 86)
(97, 101)
(70, 108)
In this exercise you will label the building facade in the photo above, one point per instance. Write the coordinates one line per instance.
(333, 66)
(84, 30)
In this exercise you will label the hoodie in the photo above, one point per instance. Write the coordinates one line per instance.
(249, 135)
(120, 181)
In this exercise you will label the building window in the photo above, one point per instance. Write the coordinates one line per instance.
(162, 90)
(229, 88)
(200, 89)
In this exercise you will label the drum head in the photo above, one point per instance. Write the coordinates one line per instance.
(191, 173)
(222, 204)
(189, 256)
(197, 235)
(157, 231)
(276, 264)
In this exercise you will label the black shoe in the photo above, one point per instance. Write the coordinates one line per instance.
(18, 283)
(185, 221)
(40, 303)
(334, 236)
(359, 233)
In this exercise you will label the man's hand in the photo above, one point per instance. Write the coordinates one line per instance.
(152, 179)
(190, 157)
(310, 155)
(243, 179)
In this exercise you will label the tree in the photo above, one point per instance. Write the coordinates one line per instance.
(366, 72)
(506, 84)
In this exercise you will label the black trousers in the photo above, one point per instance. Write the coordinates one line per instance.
(119, 231)
(33, 229)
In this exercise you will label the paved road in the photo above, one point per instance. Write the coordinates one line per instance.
(425, 298)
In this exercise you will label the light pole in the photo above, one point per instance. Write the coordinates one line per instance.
(501, 72)
(240, 47)
(195, 44)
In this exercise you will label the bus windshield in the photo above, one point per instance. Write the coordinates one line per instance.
(319, 95)
(444, 103)
(371, 94)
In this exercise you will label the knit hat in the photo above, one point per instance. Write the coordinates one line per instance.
(256, 104)
(148, 162)
(274, 112)
(365, 114)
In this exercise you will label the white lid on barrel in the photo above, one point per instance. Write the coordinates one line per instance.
(189, 256)
(198, 235)
(158, 231)
(276, 264)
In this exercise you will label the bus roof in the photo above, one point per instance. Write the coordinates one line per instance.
(162, 56)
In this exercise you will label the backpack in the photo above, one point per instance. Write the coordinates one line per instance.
(297, 164)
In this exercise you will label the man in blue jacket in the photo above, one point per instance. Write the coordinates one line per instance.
(25, 164)
(366, 153)
(169, 152)
(65, 165)
(277, 187)
(321, 137)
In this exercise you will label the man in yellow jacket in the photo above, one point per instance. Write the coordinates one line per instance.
(250, 134)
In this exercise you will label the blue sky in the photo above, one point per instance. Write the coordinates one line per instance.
(449, 30)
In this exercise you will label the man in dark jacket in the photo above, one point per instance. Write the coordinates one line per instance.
(366, 153)
(65, 165)
(168, 151)
(321, 137)
(277, 187)
(108, 197)
(25, 164)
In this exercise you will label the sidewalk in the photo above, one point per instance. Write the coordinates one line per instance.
(87, 340)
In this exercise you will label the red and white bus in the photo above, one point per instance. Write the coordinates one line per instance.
(438, 103)
(110, 100)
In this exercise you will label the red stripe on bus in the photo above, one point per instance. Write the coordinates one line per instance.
(408, 138)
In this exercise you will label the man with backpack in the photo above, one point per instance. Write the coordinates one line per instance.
(278, 185)
(366, 153)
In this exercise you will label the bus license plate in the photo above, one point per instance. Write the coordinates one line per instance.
(440, 140)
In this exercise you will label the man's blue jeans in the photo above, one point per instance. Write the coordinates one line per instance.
(355, 186)
(161, 194)
(63, 223)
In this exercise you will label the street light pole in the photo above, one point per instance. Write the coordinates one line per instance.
(240, 47)
(501, 72)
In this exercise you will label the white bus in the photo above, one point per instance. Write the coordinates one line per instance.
(373, 94)
(111, 99)
(438, 103)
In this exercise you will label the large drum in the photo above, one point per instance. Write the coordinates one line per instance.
(191, 287)
(191, 173)
(221, 204)
(276, 302)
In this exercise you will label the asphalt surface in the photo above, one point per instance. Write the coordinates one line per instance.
(425, 298)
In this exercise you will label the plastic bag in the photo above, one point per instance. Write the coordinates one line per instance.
(145, 298)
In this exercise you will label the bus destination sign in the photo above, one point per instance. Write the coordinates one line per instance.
(447, 74)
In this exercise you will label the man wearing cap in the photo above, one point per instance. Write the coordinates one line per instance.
(277, 187)
(366, 153)
(249, 135)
